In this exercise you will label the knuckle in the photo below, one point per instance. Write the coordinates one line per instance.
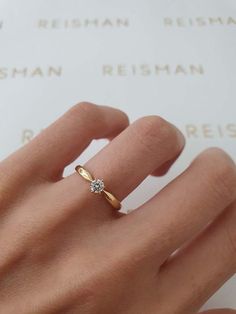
(85, 111)
(154, 131)
(150, 126)
(220, 171)
(83, 107)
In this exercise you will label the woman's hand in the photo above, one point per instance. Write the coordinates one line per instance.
(66, 250)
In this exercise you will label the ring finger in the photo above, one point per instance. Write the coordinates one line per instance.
(125, 162)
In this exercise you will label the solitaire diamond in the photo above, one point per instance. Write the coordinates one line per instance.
(97, 186)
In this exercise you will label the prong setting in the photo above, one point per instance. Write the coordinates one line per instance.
(97, 186)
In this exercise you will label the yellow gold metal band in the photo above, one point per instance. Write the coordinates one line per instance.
(97, 186)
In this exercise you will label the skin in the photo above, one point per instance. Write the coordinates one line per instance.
(66, 250)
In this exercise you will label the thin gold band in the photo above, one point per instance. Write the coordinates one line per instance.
(97, 186)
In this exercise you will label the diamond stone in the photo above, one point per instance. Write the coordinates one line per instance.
(97, 186)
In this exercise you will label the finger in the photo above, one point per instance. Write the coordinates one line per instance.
(64, 140)
(185, 206)
(124, 163)
(199, 269)
(220, 311)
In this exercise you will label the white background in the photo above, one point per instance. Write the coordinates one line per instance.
(31, 102)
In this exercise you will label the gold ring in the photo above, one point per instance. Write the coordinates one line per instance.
(98, 186)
